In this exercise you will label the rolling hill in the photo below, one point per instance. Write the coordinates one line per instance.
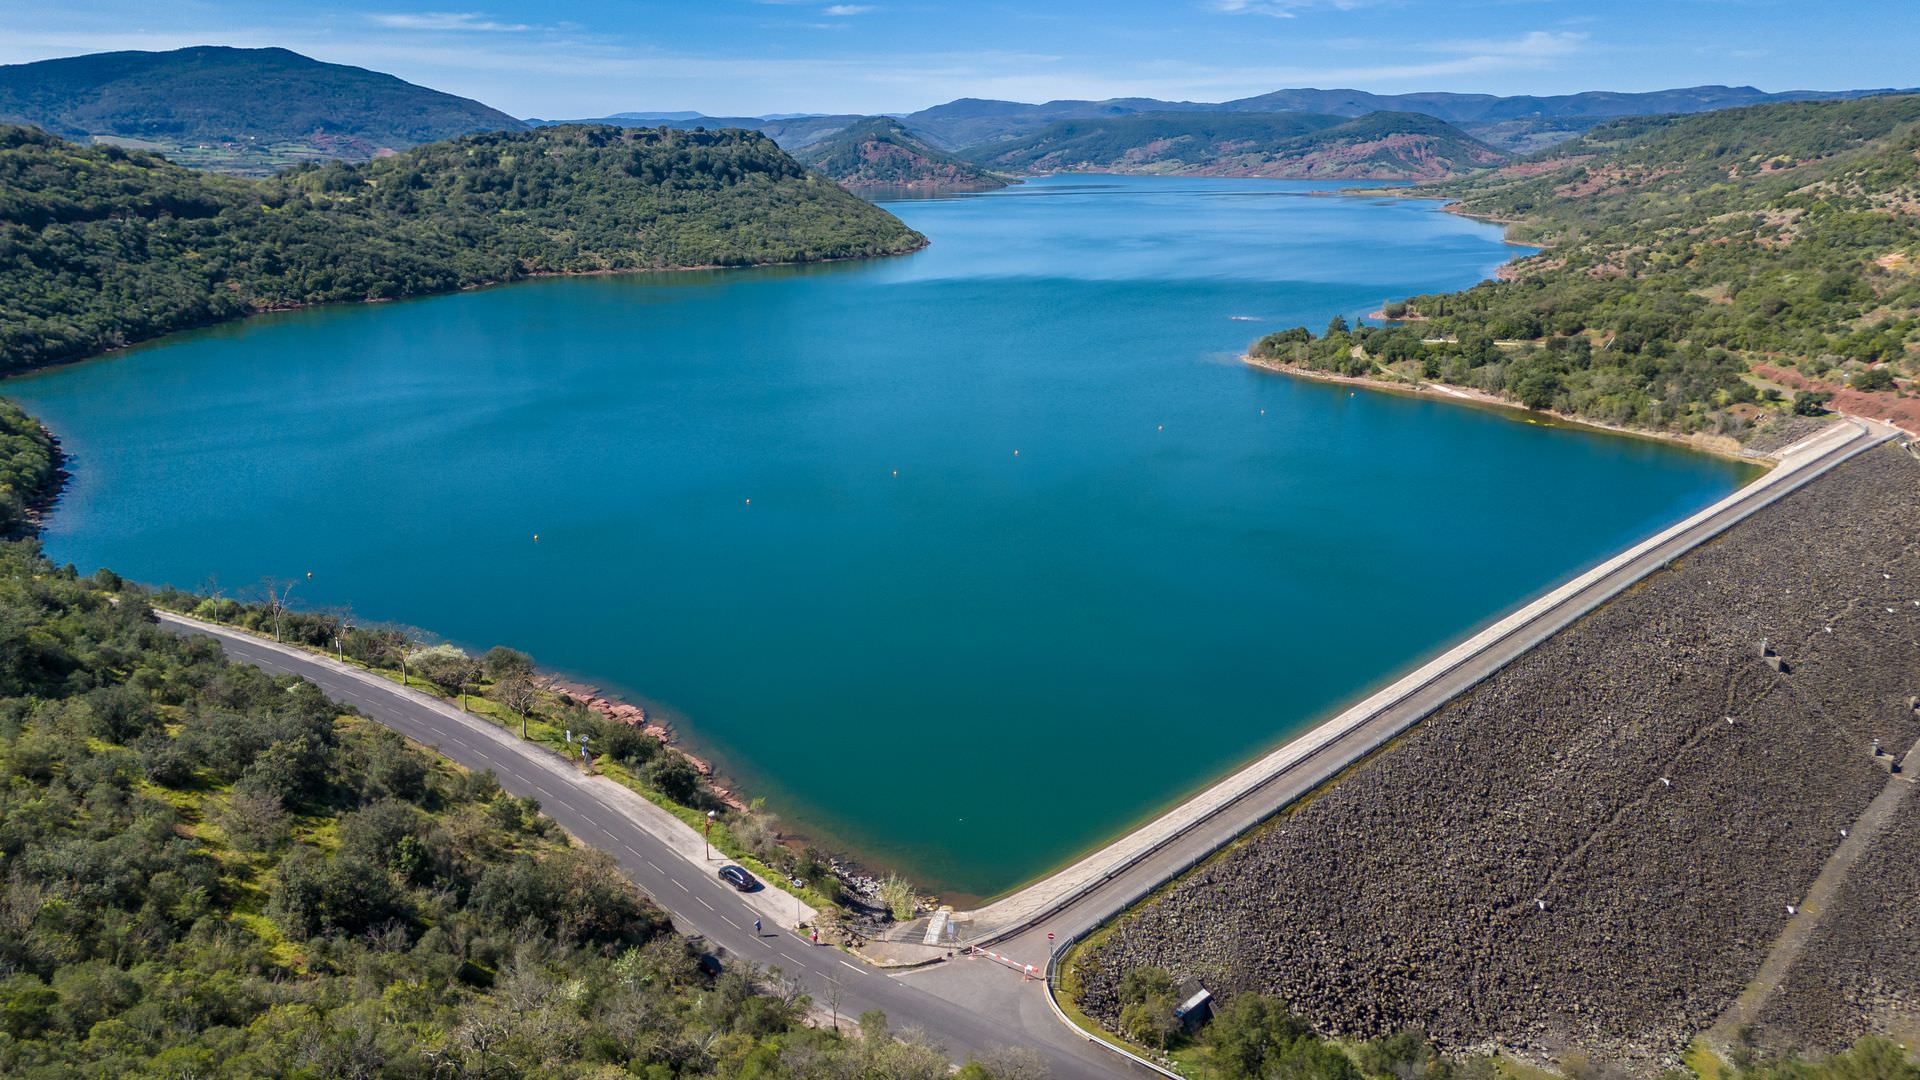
(1378, 146)
(878, 154)
(245, 111)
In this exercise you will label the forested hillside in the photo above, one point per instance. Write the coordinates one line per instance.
(1378, 146)
(244, 110)
(878, 153)
(1684, 252)
(29, 469)
(102, 247)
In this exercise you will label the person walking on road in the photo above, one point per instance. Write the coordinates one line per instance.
(756, 928)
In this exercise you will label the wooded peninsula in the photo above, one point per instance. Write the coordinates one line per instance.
(102, 247)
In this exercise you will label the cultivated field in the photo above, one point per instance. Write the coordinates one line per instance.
(1594, 849)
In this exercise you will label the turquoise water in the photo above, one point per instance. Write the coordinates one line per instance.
(971, 670)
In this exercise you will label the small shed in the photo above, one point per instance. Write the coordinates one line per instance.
(1196, 1005)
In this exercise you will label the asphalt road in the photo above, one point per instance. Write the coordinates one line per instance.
(700, 904)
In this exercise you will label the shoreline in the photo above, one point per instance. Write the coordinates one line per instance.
(1721, 446)
(36, 510)
(859, 877)
(278, 309)
(636, 716)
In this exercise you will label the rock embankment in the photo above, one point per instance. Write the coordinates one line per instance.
(1594, 849)
(635, 716)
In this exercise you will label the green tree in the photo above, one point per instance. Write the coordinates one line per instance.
(1873, 378)
(1146, 1015)
(675, 777)
(1249, 1031)
(513, 680)
(448, 668)
(1811, 402)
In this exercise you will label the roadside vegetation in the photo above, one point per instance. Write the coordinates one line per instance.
(1683, 252)
(102, 247)
(502, 685)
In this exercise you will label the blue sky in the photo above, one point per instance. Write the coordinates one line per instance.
(578, 58)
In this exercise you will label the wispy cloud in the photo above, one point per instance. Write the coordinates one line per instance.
(848, 9)
(1279, 9)
(446, 21)
(1535, 45)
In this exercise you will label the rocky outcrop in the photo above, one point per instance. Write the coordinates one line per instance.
(635, 716)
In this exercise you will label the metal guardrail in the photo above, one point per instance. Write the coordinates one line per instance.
(1052, 977)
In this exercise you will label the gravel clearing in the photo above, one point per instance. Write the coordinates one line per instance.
(1592, 850)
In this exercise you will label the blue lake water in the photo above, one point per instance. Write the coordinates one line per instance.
(1114, 561)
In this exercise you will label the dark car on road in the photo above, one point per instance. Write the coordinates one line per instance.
(738, 878)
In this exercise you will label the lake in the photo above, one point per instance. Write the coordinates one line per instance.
(966, 560)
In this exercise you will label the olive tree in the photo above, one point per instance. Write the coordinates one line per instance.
(512, 675)
(448, 668)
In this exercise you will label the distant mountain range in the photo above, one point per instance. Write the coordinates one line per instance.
(252, 111)
(238, 110)
(1453, 133)
(1506, 122)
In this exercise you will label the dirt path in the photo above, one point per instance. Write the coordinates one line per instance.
(1787, 948)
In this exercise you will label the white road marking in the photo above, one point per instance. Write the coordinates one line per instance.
(649, 862)
(683, 888)
(729, 922)
(787, 958)
(704, 904)
(851, 968)
(636, 854)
